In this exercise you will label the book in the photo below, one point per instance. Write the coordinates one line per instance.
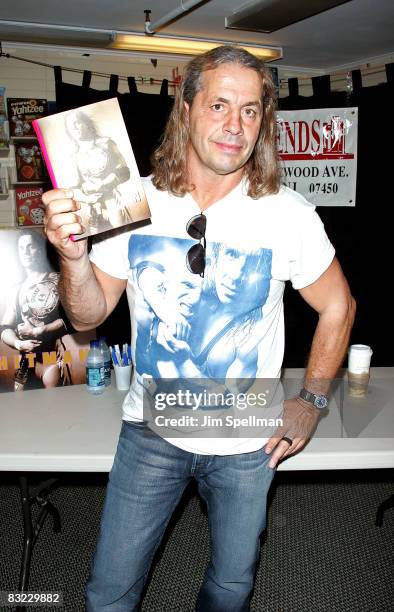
(29, 162)
(22, 112)
(28, 204)
(88, 150)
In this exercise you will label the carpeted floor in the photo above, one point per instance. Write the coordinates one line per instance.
(321, 551)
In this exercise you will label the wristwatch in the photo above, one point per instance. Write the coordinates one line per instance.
(318, 401)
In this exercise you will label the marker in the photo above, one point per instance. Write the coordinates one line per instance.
(117, 349)
(114, 357)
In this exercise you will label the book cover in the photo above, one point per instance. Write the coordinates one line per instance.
(22, 112)
(88, 150)
(28, 204)
(29, 162)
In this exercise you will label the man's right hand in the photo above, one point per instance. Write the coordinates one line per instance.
(62, 221)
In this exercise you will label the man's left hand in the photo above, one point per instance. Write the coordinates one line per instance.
(26, 330)
(299, 422)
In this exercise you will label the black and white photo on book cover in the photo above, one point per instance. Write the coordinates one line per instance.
(88, 150)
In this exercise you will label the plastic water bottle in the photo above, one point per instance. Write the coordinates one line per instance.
(107, 360)
(95, 381)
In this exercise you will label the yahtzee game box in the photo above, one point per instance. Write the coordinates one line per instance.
(28, 204)
(29, 162)
(21, 113)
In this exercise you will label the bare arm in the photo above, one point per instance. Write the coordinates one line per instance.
(88, 294)
(8, 333)
(27, 330)
(10, 337)
(56, 325)
(330, 297)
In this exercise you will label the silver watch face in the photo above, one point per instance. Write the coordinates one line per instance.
(321, 401)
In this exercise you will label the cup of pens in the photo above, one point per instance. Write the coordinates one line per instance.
(122, 366)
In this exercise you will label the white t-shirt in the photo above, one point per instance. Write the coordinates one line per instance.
(229, 324)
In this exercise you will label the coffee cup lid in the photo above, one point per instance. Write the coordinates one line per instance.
(360, 348)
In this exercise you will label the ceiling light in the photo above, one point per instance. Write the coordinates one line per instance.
(184, 46)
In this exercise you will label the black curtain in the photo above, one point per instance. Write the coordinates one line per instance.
(362, 234)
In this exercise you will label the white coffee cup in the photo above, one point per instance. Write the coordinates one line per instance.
(359, 360)
(122, 377)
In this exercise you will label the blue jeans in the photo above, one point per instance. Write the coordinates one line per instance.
(145, 485)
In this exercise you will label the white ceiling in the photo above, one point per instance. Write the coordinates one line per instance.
(353, 33)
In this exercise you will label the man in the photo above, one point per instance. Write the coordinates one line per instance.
(218, 157)
(101, 169)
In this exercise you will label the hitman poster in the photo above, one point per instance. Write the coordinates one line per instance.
(38, 346)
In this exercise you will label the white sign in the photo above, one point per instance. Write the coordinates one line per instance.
(318, 152)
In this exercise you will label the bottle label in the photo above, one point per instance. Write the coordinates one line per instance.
(107, 372)
(95, 376)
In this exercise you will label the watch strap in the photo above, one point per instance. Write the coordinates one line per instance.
(319, 401)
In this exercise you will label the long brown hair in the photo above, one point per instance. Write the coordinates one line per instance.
(169, 160)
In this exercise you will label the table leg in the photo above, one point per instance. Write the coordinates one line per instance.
(385, 505)
(31, 531)
(27, 534)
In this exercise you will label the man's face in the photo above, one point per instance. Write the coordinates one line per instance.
(229, 276)
(28, 251)
(224, 120)
(78, 129)
(187, 294)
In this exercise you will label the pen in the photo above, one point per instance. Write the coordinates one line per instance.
(114, 357)
(117, 350)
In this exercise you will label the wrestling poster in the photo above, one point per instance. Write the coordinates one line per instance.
(38, 346)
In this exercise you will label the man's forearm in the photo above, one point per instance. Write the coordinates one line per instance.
(55, 326)
(8, 336)
(81, 295)
(328, 349)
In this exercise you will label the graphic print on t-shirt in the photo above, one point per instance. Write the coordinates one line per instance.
(192, 327)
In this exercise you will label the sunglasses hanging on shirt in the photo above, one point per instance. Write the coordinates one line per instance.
(195, 257)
